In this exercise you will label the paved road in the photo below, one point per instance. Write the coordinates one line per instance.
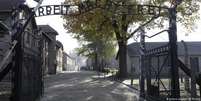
(85, 86)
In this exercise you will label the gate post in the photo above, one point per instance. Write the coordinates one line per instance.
(148, 74)
(175, 89)
(142, 63)
(186, 61)
(17, 70)
(194, 62)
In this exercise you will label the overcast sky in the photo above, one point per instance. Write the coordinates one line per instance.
(69, 43)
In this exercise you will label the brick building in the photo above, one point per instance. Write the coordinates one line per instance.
(48, 43)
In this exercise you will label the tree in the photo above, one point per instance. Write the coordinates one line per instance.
(95, 45)
(110, 20)
(97, 50)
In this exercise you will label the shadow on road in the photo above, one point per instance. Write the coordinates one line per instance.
(85, 86)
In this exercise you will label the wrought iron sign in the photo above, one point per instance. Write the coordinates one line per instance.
(136, 9)
(108, 6)
(56, 10)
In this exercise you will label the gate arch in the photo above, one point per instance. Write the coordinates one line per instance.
(85, 7)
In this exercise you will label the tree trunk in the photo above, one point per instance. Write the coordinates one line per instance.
(172, 33)
(121, 36)
(96, 62)
(102, 65)
(122, 59)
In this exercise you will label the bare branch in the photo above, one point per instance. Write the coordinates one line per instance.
(156, 34)
(116, 29)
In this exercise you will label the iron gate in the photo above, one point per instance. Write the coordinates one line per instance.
(20, 68)
(6, 53)
(158, 73)
(27, 76)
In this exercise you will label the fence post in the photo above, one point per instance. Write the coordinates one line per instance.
(186, 61)
(148, 74)
(142, 64)
(17, 71)
(194, 65)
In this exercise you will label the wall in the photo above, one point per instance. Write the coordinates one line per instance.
(64, 61)
(44, 53)
(59, 59)
(52, 54)
(135, 64)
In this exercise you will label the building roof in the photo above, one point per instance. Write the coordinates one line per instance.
(3, 27)
(59, 44)
(47, 29)
(66, 54)
(194, 48)
(8, 5)
(47, 36)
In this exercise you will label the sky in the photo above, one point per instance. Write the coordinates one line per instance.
(69, 43)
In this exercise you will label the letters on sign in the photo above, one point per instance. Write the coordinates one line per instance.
(82, 8)
(56, 10)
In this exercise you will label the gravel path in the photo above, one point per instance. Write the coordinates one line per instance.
(85, 86)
